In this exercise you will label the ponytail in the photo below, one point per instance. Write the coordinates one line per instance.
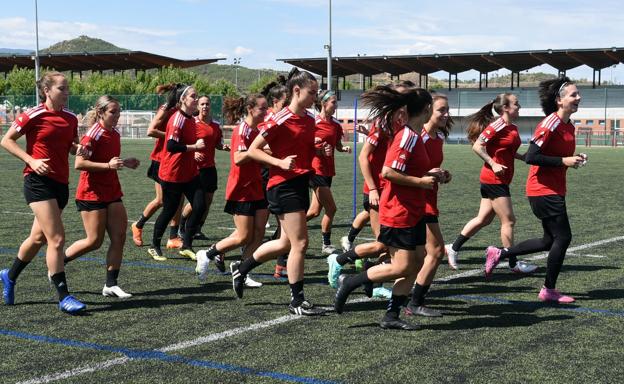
(479, 120)
(234, 109)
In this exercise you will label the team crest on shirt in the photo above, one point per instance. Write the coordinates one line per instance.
(487, 131)
(402, 156)
(20, 118)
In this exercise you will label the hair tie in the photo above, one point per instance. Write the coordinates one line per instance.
(561, 88)
(183, 92)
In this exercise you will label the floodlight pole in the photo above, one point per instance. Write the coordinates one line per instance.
(329, 51)
(36, 53)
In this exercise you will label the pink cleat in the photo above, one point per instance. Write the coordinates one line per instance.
(547, 294)
(492, 257)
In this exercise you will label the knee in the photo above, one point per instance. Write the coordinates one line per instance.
(299, 245)
(509, 221)
(38, 239)
(330, 210)
(56, 241)
(95, 242)
(118, 238)
(312, 213)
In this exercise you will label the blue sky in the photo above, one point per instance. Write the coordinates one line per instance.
(260, 31)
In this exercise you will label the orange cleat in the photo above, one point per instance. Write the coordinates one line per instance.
(137, 235)
(174, 243)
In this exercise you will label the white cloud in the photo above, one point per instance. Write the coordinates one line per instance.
(242, 51)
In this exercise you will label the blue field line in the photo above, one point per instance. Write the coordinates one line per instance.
(536, 304)
(163, 356)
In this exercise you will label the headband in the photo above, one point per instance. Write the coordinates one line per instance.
(561, 88)
(183, 92)
(327, 96)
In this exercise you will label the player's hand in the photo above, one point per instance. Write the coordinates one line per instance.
(40, 166)
(288, 163)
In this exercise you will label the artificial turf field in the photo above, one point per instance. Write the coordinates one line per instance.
(174, 330)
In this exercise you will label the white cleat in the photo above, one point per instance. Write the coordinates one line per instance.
(328, 249)
(346, 244)
(201, 269)
(251, 283)
(523, 268)
(452, 256)
(115, 291)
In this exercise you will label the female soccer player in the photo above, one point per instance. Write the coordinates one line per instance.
(496, 142)
(328, 135)
(402, 202)
(244, 194)
(290, 136)
(551, 153)
(178, 170)
(51, 134)
(156, 130)
(433, 134)
(98, 195)
(210, 131)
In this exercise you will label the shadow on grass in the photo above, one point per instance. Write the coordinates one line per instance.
(603, 294)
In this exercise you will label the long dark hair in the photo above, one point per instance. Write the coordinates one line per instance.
(174, 93)
(235, 109)
(479, 120)
(385, 100)
(549, 90)
(298, 78)
(275, 90)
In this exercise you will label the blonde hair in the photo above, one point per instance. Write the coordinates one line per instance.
(46, 81)
(98, 110)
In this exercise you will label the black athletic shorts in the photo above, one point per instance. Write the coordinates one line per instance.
(548, 206)
(320, 181)
(84, 205)
(42, 188)
(431, 219)
(152, 171)
(492, 191)
(404, 238)
(290, 196)
(244, 208)
(365, 202)
(208, 179)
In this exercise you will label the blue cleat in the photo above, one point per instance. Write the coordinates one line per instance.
(8, 288)
(71, 305)
(334, 270)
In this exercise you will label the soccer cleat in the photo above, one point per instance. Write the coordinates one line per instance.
(452, 256)
(346, 244)
(219, 262)
(188, 252)
(341, 295)
(280, 272)
(328, 249)
(71, 305)
(305, 309)
(251, 283)
(174, 243)
(554, 295)
(382, 293)
(201, 269)
(368, 289)
(137, 235)
(421, 310)
(492, 258)
(333, 271)
(8, 288)
(200, 236)
(115, 291)
(156, 254)
(238, 280)
(398, 324)
(359, 265)
(523, 268)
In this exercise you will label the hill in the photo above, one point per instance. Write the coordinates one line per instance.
(83, 44)
(15, 51)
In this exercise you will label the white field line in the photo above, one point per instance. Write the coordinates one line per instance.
(587, 255)
(264, 324)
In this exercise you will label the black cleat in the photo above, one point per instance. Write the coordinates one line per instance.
(398, 324)
(238, 280)
(421, 310)
(306, 309)
(341, 295)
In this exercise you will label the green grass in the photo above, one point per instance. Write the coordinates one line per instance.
(513, 340)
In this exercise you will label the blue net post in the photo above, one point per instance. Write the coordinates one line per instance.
(355, 156)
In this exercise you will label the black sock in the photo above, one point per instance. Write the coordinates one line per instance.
(212, 252)
(296, 293)
(353, 232)
(513, 259)
(183, 223)
(459, 242)
(17, 268)
(111, 277)
(282, 260)
(60, 283)
(142, 220)
(247, 265)
(173, 231)
(418, 296)
(352, 282)
(347, 257)
(394, 307)
(326, 238)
